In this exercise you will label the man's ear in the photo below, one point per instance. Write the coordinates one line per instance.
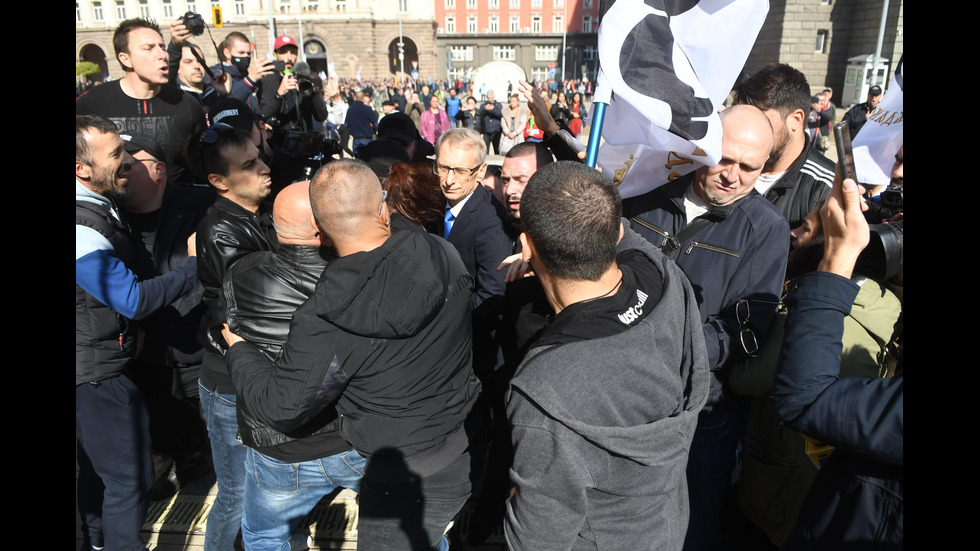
(527, 247)
(83, 171)
(482, 173)
(219, 182)
(159, 171)
(796, 120)
(622, 231)
(124, 59)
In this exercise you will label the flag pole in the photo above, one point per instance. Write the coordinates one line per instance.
(601, 98)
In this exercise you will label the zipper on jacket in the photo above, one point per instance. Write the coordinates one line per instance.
(700, 245)
(669, 240)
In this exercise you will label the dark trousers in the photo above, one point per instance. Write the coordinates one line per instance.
(115, 471)
(407, 512)
(492, 139)
(709, 478)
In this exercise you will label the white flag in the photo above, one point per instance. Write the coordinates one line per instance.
(882, 135)
(670, 64)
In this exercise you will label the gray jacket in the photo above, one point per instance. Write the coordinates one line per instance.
(602, 427)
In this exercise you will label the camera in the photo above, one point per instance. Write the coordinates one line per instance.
(882, 257)
(886, 205)
(194, 23)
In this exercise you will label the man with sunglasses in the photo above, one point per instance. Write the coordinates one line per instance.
(237, 224)
(473, 227)
(731, 243)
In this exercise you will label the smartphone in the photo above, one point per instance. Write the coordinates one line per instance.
(279, 64)
(845, 155)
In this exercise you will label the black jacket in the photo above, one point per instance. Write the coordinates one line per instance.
(386, 335)
(260, 294)
(741, 254)
(171, 333)
(225, 235)
(804, 186)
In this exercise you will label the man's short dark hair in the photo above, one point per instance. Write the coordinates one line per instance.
(232, 37)
(572, 214)
(524, 149)
(120, 38)
(776, 86)
(87, 124)
(206, 151)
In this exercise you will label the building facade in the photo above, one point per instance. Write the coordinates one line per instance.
(359, 37)
(545, 38)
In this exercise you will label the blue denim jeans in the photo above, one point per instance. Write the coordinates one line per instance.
(278, 495)
(412, 513)
(709, 475)
(115, 471)
(225, 517)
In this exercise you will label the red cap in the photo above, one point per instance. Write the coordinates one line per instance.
(284, 40)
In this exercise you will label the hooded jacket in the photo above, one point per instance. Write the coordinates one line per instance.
(387, 336)
(602, 427)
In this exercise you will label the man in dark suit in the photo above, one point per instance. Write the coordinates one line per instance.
(473, 227)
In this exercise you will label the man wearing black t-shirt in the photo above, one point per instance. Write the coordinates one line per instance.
(143, 101)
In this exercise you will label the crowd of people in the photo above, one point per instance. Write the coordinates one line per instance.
(401, 319)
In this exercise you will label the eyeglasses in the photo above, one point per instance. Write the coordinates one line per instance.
(742, 313)
(443, 170)
(210, 135)
(384, 197)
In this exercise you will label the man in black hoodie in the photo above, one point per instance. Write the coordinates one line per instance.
(386, 337)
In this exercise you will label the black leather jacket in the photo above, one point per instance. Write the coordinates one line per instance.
(260, 294)
(225, 235)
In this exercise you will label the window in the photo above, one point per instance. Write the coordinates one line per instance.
(535, 23)
(168, 10)
(471, 24)
(451, 4)
(515, 23)
(493, 4)
(284, 6)
(340, 6)
(494, 24)
(591, 53)
(504, 53)
(535, 3)
(559, 3)
(587, 4)
(516, 4)
(310, 6)
(540, 74)
(97, 11)
(586, 23)
(191, 6)
(240, 7)
(558, 24)
(450, 24)
(461, 53)
(402, 6)
(120, 10)
(821, 46)
(545, 53)
(144, 9)
(78, 13)
(471, 4)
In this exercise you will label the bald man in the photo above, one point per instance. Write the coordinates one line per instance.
(731, 243)
(260, 293)
(386, 337)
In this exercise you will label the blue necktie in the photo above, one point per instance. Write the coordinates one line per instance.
(449, 224)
